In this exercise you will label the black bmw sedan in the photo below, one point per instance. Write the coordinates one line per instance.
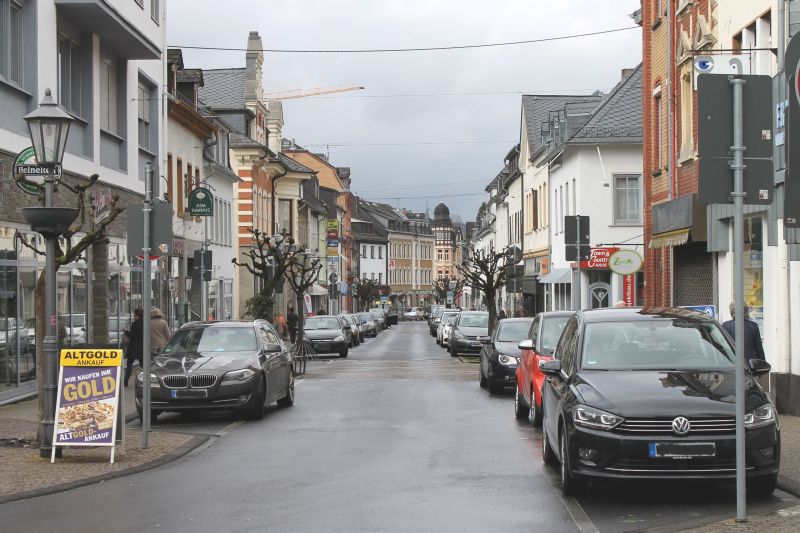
(651, 394)
(239, 365)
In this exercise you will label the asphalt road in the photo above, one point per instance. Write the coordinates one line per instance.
(396, 437)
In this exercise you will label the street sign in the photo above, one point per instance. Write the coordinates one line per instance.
(206, 261)
(450, 296)
(710, 310)
(791, 188)
(201, 203)
(391, 264)
(160, 227)
(384, 299)
(716, 181)
(571, 237)
(27, 165)
(333, 278)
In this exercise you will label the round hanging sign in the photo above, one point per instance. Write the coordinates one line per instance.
(625, 262)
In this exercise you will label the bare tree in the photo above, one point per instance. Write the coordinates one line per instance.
(302, 270)
(68, 250)
(489, 271)
(439, 288)
(367, 290)
(267, 259)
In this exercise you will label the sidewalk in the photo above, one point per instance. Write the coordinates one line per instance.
(23, 474)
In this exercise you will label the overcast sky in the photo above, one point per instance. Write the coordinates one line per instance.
(351, 121)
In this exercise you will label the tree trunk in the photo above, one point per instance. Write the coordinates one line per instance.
(491, 306)
(301, 313)
(100, 293)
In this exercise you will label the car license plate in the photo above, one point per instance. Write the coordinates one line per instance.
(682, 450)
(189, 393)
(322, 346)
(475, 344)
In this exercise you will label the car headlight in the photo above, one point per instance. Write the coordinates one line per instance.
(760, 416)
(508, 360)
(586, 416)
(153, 378)
(340, 338)
(238, 375)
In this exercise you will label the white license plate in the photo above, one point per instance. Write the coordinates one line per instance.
(682, 450)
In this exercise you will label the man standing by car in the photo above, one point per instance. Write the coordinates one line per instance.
(159, 330)
(135, 334)
(291, 320)
(753, 349)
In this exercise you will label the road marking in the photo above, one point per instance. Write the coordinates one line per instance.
(230, 427)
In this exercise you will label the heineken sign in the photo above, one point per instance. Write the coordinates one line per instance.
(26, 164)
(201, 203)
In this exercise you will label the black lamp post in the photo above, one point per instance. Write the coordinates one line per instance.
(49, 127)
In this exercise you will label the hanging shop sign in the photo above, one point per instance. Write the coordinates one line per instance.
(598, 258)
(201, 203)
(624, 262)
(629, 289)
(88, 398)
(27, 165)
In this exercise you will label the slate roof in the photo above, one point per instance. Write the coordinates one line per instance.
(619, 118)
(537, 109)
(175, 55)
(224, 88)
(190, 75)
(237, 140)
(293, 165)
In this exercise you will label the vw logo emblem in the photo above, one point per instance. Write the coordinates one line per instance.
(681, 426)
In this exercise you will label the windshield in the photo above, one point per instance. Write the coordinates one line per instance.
(449, 320)
(660, 344)
(214, 339)
(474, 321)
(376, 314)
(321, 323)
(366, 317)
(437, 313)
(551, 332)
(513, 331)
(78, 321)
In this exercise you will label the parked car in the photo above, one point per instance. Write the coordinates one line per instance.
(328, 334)
(442, 323)
(379, 316)
(435, 320)
(116, 329)
(469, 332)
(368, 324)
(391, 316)
(75, 326)
(412, 313)
(500, 355)
(446, 329)
(240, 365)
(355, 330)
(10, 330)
(536, 347)
(649, 394)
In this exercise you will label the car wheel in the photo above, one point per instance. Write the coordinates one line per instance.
(255, 410)
(153, 415)
(548, 455)
(495, 387)
(483, 382)
(454, 352)
(569, 485)
(761, 487)
(535, 412)
(288, 400)
(343, 353)
(520, 411)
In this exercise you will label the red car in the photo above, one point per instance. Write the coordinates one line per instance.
(542, 339)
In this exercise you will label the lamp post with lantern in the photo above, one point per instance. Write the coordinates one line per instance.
(49, 127)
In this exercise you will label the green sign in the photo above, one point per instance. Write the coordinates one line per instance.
(201, 203)
(26, 164)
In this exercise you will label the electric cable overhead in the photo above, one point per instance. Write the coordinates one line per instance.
(414, 49)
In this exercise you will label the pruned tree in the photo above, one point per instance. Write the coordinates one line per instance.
(488, 271)
(440, 287)
(367, 290)
(268, 259)
(302, 271)
(82, 234)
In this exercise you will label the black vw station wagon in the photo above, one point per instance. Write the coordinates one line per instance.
(239, 365)
(650, 394)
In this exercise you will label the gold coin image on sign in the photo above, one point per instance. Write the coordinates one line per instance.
(98, 415)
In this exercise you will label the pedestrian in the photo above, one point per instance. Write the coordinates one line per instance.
(291, 321)
(280, 323)
(519, 313)
(136, 338)
(502, 315)
(159, 330)
(321, 311)
(621, 303)
(753, 349)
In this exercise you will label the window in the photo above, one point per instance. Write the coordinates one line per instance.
(438, 255)
(363, 250)
(69, 75)
(372, 252)
(658, 134)
(155, 10)
(285, 215)
(627, 200)
(687, 112)
(380, 252)
(187, 187)
(380, 278)
(11, 46)
(144, 99)
(534, 210)
(108, 93)
(179, 192)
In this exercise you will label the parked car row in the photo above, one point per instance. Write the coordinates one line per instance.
(630, 393)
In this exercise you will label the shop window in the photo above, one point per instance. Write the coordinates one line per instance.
(754, 269)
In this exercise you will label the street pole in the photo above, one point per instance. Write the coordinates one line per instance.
(576, 297)
(738, 292)
(50, 342)
(203, 286)
(146, 290)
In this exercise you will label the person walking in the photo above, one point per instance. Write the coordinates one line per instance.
(135, 339)
(753, 348)
(280, 325)
(159, 330)
(291, 322)
(502, 315)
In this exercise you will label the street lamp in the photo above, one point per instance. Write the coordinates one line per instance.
(49, 127)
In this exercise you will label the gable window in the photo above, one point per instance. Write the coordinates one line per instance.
(108, 93)
(627, 199)
(69, 75)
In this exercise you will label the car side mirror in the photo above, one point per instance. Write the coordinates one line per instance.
(486, 340)
(551, 368)
(525, 344)
(759, 367)
(272, 348)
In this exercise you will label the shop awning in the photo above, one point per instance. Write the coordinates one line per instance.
(670, 238)
(318, 290)
(558, 275)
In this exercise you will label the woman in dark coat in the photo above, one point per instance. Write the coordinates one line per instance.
(136, 338)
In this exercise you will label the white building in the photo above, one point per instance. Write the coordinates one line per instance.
(595, 170)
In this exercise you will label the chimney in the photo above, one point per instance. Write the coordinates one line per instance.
(626, 72)
(275, 126)
(254, 64)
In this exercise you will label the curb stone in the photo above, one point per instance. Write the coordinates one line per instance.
(787, 485)
(168, 457)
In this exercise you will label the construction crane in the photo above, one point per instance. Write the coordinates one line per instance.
(303, 93)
